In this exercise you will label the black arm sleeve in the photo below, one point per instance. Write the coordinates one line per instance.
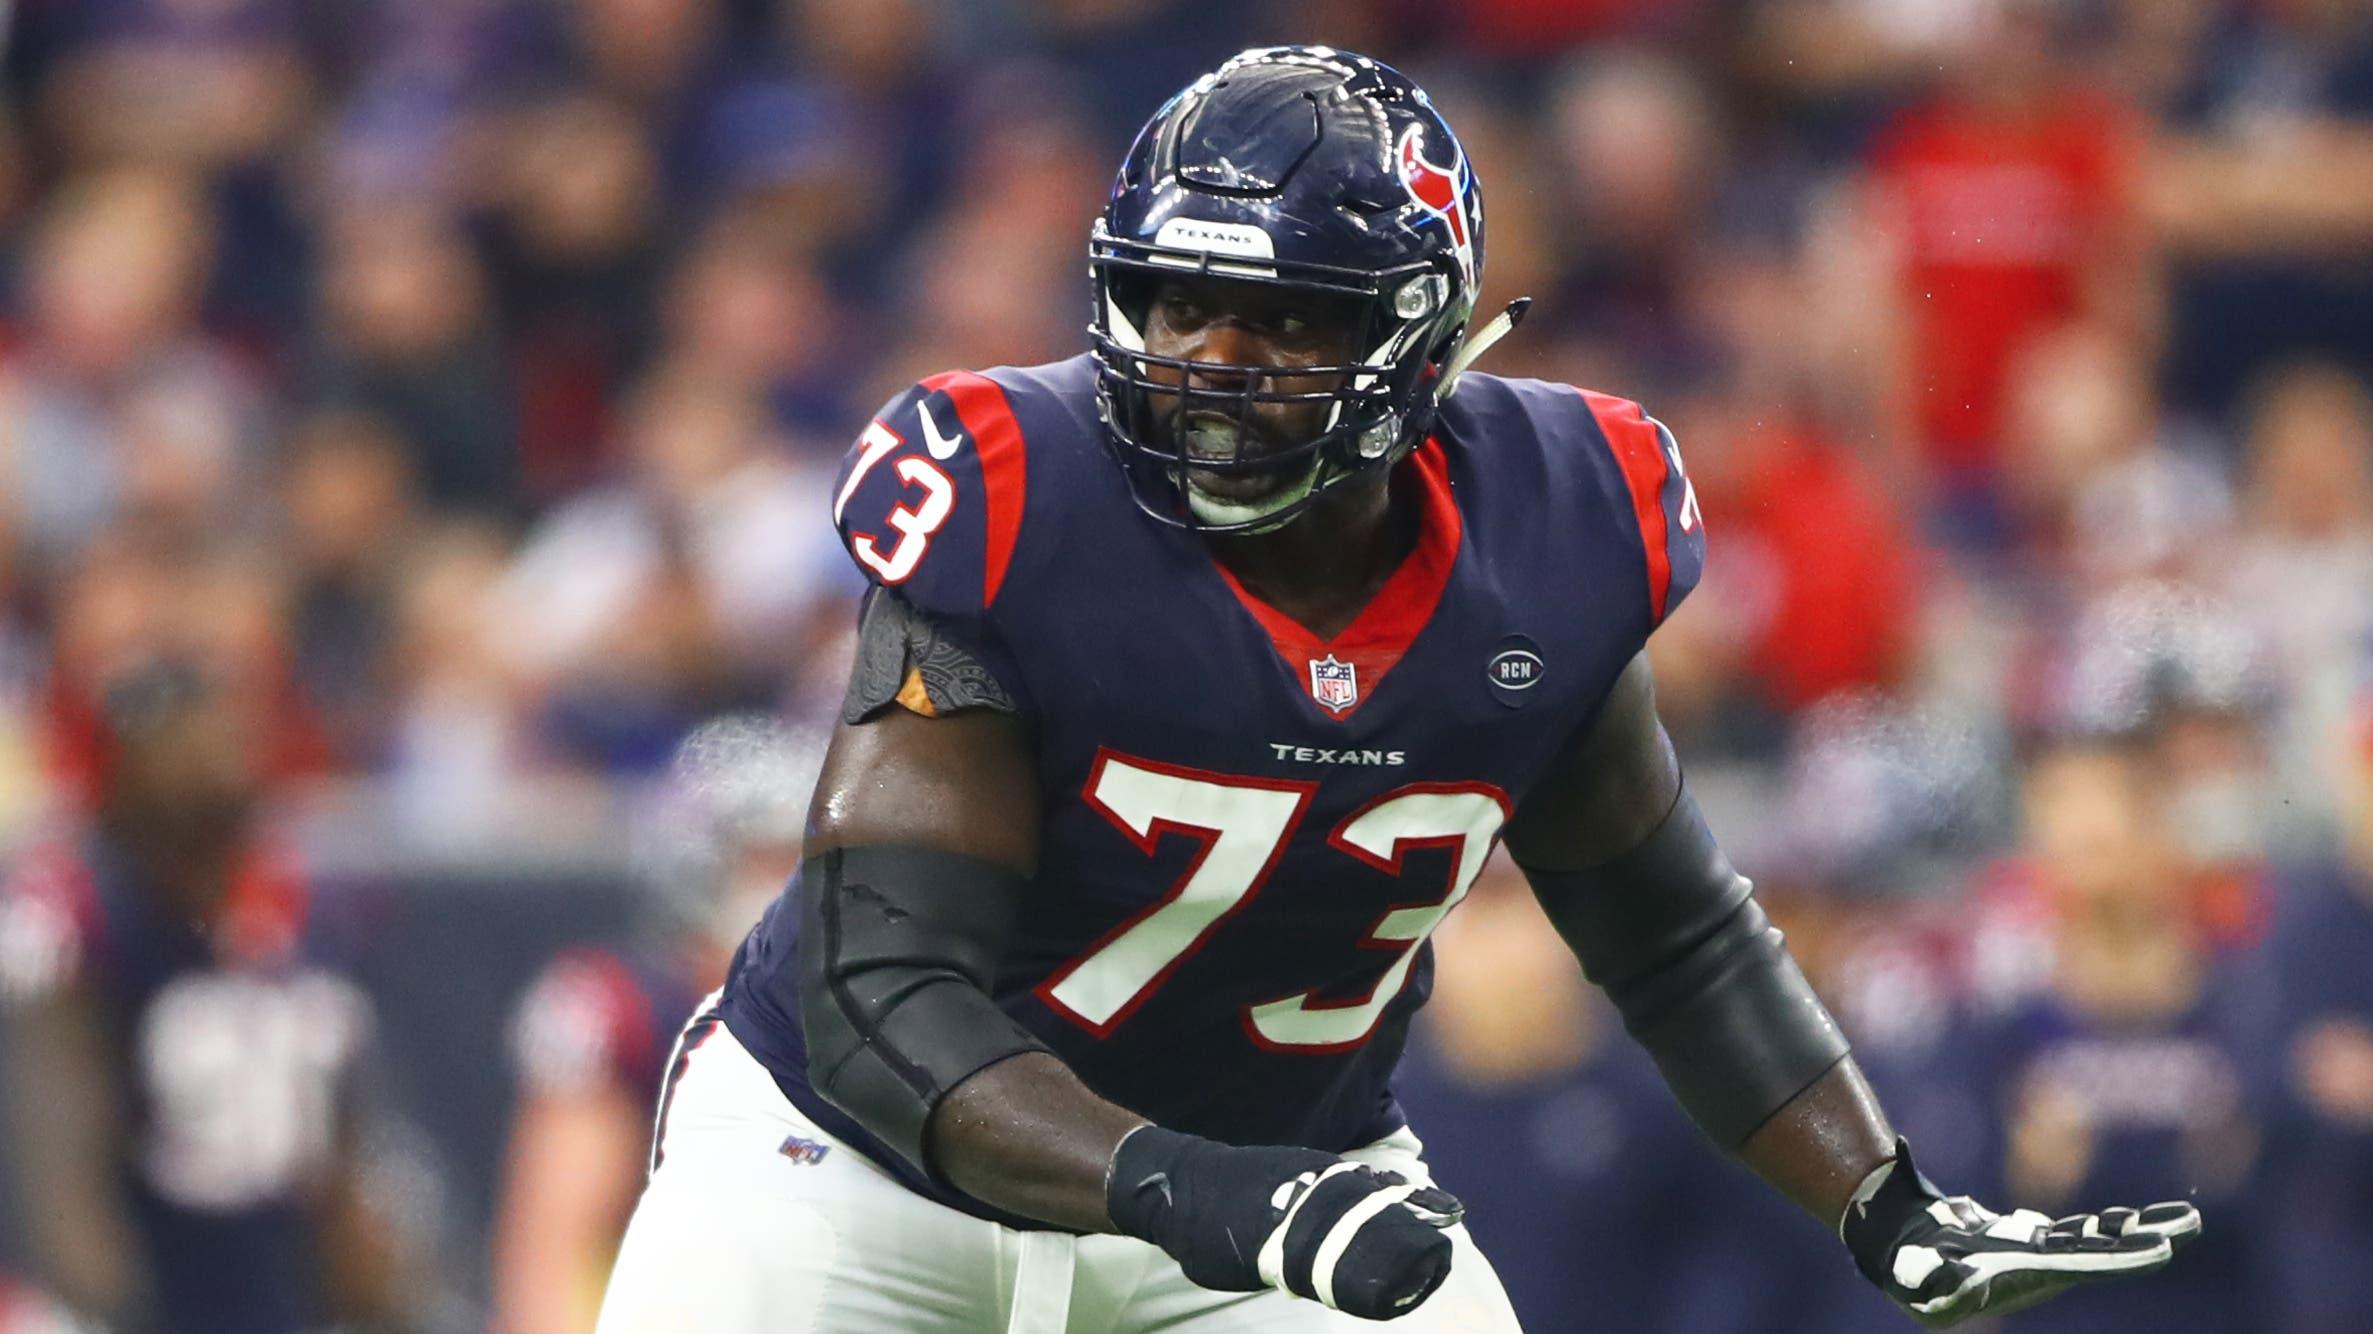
(924, 663)
(1703, 979)
(897, 951)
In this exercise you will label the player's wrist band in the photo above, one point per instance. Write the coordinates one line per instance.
(1875, 1216)
(898, 948)
(1702, 978)
(1147, 1154)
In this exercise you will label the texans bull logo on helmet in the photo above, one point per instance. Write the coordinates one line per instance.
(1440, 191)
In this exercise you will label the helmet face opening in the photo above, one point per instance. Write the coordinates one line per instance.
(1232, 443)
(1356, 222)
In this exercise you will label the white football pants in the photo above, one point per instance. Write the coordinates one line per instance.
(756, 1220)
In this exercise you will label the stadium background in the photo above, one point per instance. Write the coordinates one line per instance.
(458, 383)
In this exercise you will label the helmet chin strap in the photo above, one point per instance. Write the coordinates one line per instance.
(1501, 326)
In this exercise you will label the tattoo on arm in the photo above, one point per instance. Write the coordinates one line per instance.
(906, 658)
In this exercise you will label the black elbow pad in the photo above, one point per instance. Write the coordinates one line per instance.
(1702, 978)
(898, 948)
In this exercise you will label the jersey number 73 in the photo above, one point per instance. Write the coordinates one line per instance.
(1245, 824)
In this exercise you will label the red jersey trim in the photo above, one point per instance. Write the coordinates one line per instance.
(55, 875)
(263, 916)
(989, 420)
(695, 1035)
(1383, 631)
(1639, 451)
(625, 1010)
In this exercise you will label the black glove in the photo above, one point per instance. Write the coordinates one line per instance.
(1945, 1260)
(1357, 1238)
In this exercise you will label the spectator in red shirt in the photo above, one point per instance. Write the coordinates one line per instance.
(2002, 203)
(1836, 577)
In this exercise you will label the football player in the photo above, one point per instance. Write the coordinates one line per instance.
(1201, 673)
(189, 1073)
(592, 1033)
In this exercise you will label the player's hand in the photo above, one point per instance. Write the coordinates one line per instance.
(1360, 1239)
(1945, 1260)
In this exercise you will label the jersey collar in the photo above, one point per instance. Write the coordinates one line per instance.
(1377, 638)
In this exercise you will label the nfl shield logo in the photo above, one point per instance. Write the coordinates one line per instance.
(1333, 683)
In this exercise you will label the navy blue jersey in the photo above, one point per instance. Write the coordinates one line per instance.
(237, 1050)
(2087, 1109)
(1586, 1185)
(2306, 998)
(1248, 831)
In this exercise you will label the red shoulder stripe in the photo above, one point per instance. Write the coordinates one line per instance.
(1639, 451)
(989, 420)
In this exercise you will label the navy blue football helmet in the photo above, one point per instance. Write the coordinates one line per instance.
(1300, 167)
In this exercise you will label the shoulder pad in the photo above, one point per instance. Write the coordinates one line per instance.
(1664, 505)
(929, 499)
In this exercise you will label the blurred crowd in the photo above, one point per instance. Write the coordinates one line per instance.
(416, 429)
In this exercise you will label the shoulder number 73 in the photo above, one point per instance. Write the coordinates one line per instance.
(914, 525)
(1245, 824)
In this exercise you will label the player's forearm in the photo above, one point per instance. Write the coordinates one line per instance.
(1820, 1146)
(1026, 1136)
(65, 1112)
(361, 1269)
(571, 1180)
(1702, 979)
